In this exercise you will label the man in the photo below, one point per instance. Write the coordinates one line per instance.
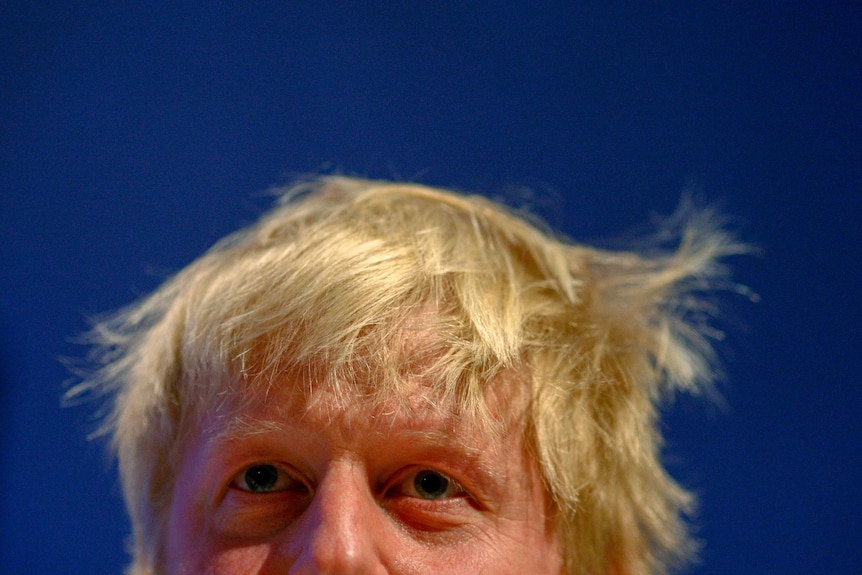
(387, 378)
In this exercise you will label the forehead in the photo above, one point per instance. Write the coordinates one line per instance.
(415, 406)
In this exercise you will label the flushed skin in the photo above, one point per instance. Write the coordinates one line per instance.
(355, 302)
(347, 502)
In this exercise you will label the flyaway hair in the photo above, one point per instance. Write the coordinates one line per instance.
(329, 285)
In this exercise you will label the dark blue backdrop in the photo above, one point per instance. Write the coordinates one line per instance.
(133, 137)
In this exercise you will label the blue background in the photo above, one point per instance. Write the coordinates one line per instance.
(132, 137)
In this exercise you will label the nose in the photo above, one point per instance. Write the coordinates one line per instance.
(341, 530)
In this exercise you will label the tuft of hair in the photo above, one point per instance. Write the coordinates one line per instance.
(358, 287)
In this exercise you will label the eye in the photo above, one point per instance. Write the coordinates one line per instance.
(266, 478)
(430, 484)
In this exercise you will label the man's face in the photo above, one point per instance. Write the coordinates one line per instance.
(288, 487)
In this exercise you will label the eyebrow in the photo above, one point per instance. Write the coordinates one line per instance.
(416, 432)
(241, 427)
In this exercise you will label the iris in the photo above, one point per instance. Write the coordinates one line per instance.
(261, 478)
(431, 484)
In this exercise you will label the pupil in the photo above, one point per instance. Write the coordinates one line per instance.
(261, 477)
(430, 484)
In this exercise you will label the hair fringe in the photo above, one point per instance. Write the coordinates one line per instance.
(348, 281)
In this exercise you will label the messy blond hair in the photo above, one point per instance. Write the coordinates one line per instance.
(329, 282)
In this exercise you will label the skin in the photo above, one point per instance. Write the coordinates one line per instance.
(347, 499)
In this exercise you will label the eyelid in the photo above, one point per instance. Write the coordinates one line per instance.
(404, 484)
(288, 479)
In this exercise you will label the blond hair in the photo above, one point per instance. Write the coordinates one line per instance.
(330, 280)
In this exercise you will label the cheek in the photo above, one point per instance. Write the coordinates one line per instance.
(541, 554)
(539, 533)
(183, 540)
(192, 548)
(254, 560)
(524, 548)
(528, 539)
(186, 548)
(514, 549)
(188, 545)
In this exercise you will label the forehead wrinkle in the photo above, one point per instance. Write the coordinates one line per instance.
(422, 420)
(412, 409)
(242, 426)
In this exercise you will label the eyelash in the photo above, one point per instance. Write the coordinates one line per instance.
(406, 484)
(409, 484)
(283, 481)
